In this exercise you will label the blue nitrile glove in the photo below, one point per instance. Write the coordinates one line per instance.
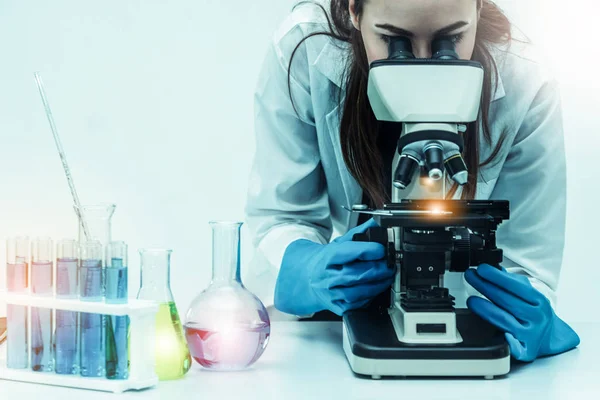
(531, 327)
(338, 276)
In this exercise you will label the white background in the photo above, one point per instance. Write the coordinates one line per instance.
(153, 100)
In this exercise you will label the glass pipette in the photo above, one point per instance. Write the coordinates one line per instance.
(62, 155)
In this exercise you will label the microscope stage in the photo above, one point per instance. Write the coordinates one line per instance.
(372, 348)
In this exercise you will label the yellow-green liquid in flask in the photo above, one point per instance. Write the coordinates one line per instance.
(172, 354)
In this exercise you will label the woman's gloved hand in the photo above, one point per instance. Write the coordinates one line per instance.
(531, 327)
(338, 276)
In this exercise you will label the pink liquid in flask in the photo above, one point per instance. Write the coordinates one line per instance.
(232, 348)
(227, 327)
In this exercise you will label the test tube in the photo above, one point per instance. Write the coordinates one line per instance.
(67, 340)
(92, 325)
(42, 284)
(117, 327)
(17, 333)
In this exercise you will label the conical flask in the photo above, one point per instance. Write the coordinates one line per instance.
(172, 356)
(227, 327)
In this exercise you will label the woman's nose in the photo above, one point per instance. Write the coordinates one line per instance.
(421, 49)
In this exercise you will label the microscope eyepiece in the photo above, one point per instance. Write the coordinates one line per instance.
(443, 49)
(400, 48)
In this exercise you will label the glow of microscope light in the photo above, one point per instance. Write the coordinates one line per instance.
(437, 210)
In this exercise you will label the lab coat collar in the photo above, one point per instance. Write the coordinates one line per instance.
(332, 61)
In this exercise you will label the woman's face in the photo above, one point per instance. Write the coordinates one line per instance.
(420, 20)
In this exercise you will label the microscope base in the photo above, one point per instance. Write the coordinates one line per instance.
(372, 348)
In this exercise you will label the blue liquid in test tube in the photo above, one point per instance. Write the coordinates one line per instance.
(17, 352)
(117, 327)
(91, 325)
(66, 335)
(42, 356)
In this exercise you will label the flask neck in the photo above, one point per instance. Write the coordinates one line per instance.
(226, 252)
(155, 271)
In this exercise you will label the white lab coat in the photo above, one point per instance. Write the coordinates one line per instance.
(299, 182)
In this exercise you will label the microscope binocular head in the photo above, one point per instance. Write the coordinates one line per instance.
(432, 100)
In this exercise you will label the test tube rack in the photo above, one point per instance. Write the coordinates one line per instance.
(142, 316)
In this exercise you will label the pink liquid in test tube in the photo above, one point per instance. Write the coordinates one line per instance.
(17, 352)
(42, 358)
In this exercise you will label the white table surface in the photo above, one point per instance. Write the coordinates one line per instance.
(305, 360)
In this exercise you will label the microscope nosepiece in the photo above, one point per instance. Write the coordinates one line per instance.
(455, 165)
(405, 171)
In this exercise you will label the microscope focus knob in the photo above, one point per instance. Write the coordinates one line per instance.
(378, 235)
(461, 253)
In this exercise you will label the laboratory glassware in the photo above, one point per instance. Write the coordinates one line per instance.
(172, 356)
(227, 327)
(42, 284)
(117, 326)
(92, 324)
(98, 218)
(61, 153)
(17, 281)
(67, 287)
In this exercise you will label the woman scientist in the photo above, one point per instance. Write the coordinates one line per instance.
(319, 146)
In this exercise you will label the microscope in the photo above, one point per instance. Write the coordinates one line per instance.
(419, 330)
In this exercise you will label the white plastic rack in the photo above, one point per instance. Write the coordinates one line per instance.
(141, 331)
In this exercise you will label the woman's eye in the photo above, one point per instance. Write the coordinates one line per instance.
(385, 38)
(456, 38)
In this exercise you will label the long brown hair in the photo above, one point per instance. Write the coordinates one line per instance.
(359, 128)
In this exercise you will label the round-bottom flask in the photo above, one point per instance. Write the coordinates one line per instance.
(227, 327)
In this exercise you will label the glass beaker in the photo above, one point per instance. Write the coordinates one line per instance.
(172, 356)
(227, 327)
